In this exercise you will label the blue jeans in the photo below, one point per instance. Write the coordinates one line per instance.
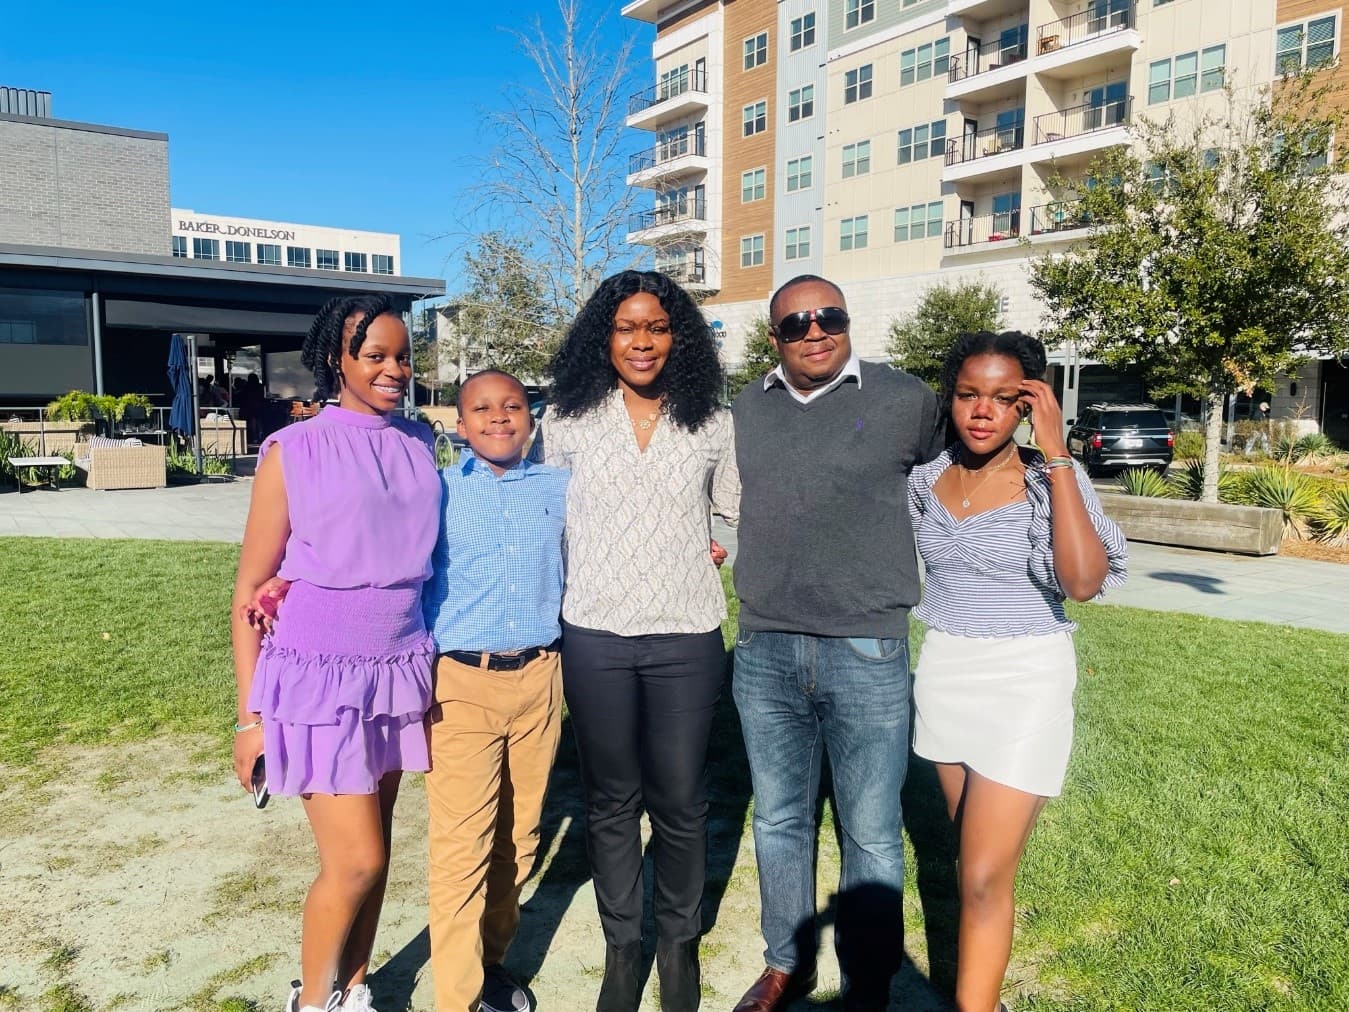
(801, 696)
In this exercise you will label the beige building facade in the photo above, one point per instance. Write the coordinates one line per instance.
(893, 144)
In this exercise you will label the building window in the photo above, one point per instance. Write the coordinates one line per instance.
(852, 233)
(856, 159)
(1185, 75)
(857, 84)
(920, 221)
(43, 317)
(753, 185)
(799, 173)
(673, 82)
(925, 141)
(803, 31)
(1006, 215)
(238, 252)
(326, 259)
(801, 103)
(1308, 44)
(756, 51)
(797, 244)
(751, 251)
(1213, 68)
(755, 118)
(1159, 81)
(858, 12)
(928, 60)
(297, 256)
(269, 254)
(381, 263)
(355, 263)
(205, 249)
(180, 245)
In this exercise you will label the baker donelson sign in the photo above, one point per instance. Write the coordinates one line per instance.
(244, 230)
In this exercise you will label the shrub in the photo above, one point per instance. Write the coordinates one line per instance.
(1283, 489)
(81, 406)
(1145, 482)
(12, 446)
(1314, 444)
(1330, 520)
(1188, 482)
(1189, 445)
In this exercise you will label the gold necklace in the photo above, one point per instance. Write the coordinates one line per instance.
(987, 473)
(646, 422)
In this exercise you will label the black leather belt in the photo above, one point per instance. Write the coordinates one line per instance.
(513, 661)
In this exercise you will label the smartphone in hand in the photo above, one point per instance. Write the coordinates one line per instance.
(259, 782)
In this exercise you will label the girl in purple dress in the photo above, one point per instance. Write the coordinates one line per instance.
(346, 507)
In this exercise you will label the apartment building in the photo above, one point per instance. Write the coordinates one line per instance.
(894, 144)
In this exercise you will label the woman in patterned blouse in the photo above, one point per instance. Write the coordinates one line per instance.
(651, 453)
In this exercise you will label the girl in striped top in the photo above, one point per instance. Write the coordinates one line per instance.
(1006, 534)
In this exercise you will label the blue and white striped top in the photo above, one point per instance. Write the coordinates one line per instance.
(992, 574)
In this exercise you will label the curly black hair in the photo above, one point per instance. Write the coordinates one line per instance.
(1025, 349)
(692, 378)
(322, 352)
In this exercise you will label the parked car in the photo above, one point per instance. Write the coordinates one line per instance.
(1112, 436)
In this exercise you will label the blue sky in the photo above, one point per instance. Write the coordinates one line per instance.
(357, 115)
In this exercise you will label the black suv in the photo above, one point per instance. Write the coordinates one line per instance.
(1121, 435)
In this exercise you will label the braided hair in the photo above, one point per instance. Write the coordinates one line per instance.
(322, 352)
(583, 375)
(1024, 349)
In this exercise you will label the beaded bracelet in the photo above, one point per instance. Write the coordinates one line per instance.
(1054, 462)
(241, 728)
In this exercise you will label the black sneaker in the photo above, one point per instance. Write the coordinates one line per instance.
(500, 992)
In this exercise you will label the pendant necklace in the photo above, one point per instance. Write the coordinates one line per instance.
(987, 473)
(647, 421)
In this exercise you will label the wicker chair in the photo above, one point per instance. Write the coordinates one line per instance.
(115, 465)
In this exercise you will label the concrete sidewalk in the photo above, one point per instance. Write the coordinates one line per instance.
(1286, 591)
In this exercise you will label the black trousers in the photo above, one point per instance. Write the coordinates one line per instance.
(641, 708)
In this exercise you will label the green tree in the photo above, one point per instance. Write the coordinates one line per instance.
(919, 343)
(1218, 253)
(503, 319)
(758, 359)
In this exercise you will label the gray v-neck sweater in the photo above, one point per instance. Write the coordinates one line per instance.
(825, 543)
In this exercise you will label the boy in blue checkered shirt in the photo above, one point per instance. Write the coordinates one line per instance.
(493, 602)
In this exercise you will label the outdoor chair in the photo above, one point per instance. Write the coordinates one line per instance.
(117, 464)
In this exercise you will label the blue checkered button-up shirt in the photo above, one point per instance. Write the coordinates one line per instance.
(496, 581)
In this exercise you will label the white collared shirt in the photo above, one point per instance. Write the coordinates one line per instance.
(851, 368)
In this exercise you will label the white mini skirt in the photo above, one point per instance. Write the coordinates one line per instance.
(1001, 705)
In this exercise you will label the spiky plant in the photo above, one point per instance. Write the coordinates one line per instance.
(1188, 482)
(1283, 489)
(1330, 521)
(1144, 481)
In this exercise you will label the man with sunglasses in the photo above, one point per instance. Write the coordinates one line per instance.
(826, 574)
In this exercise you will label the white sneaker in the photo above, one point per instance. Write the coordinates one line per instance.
(333, 1004)
(358, 999)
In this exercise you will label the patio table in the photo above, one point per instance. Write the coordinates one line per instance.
(53, 464)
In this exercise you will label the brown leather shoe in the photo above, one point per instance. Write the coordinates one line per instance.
(775, 990)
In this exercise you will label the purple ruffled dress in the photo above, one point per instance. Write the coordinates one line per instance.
(344, 680)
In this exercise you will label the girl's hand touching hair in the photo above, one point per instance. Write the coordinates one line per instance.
(1046, 417)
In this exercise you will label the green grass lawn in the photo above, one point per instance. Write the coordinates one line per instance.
(1199, 858)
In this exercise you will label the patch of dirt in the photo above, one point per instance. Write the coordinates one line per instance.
(145, 880)
(1321, 552)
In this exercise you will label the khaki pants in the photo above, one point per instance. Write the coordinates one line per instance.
(494, 737)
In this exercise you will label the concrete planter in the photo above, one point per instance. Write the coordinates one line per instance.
(1245, 530)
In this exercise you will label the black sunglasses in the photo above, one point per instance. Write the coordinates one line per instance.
(833, 320)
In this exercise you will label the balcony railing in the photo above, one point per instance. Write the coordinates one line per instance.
(984, 143)
(684, 274)
(672, 87)
(1085, 25)
(985, 228)
(989, 56)
(1060, 216)
(667, 152)
(1082, 119)
(684, 210)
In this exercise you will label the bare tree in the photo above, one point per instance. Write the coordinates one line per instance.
(558, 168)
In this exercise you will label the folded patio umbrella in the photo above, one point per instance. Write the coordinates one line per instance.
(180, 376)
